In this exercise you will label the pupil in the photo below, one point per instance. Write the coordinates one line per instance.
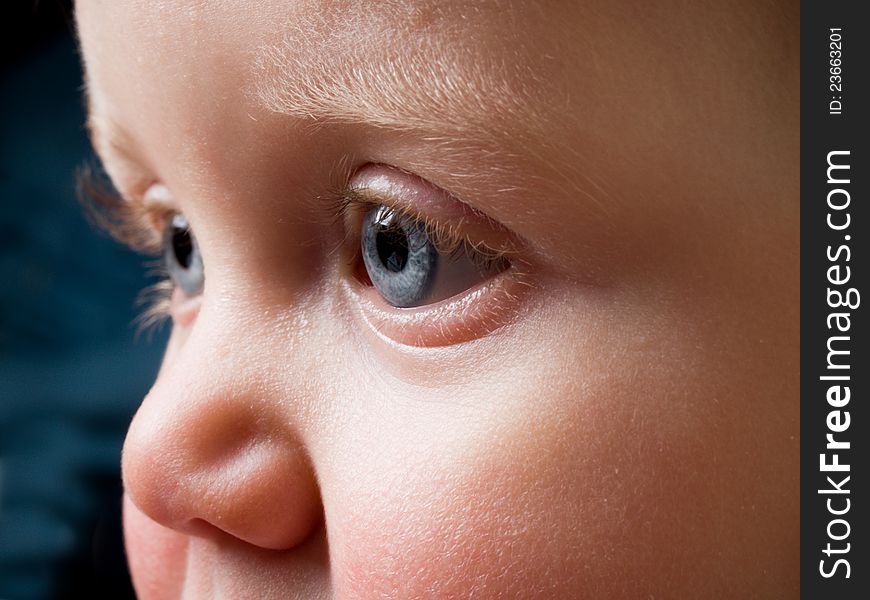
(392, 245)
(182, 247)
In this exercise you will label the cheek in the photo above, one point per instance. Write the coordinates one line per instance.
(480, 517)
(157, 556)
(467, 544)
(613, 495)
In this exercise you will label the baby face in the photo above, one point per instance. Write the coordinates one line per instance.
(471, 299)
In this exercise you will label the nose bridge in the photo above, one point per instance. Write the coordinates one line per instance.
(217, 445)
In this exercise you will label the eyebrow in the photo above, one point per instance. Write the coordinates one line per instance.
(470, 105)
(395, 84)
(470, 108)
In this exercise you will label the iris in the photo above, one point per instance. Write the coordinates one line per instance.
(181, 256)
(400, 259)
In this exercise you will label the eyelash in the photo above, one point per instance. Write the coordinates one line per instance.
(137, 226)
(134, 226)
(349, 206)
(130, 223)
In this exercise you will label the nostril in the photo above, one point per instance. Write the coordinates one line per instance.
(201, 528)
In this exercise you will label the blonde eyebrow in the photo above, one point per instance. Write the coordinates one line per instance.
(472, 106)
(392, 82)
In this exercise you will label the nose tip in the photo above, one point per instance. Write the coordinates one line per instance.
(220, 462)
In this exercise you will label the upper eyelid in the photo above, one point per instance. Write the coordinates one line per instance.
(446, 215)
(157, 199)
(389, 182)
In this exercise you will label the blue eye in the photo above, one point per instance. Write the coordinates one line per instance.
(399, 257)
(181, 256)
(406, 266)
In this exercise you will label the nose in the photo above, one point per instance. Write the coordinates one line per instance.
(216, 447)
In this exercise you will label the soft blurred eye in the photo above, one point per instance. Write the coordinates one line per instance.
(181, 256)
(410, 269)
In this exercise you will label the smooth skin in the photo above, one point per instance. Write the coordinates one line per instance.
(616, 416)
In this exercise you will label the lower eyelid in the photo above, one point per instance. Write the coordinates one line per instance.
(474, 314)
(184, 309)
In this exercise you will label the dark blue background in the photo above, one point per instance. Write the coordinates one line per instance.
(71, 370)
